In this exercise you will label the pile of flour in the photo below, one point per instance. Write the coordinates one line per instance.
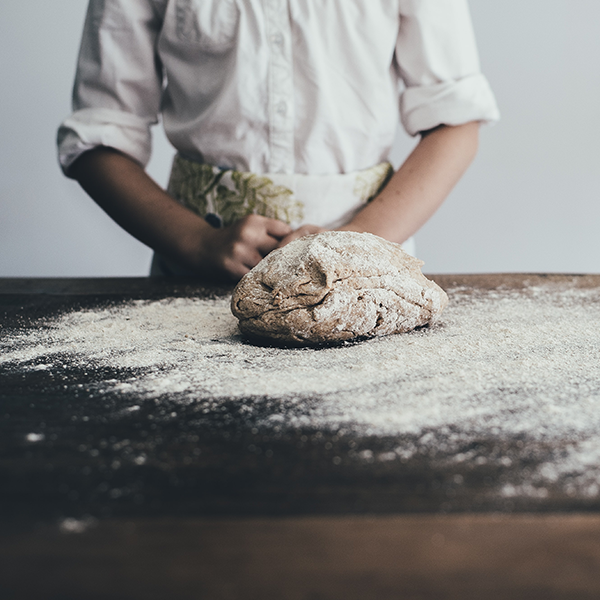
(501, 364)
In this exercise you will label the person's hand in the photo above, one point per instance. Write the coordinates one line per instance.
(232, 251)
(300, 232)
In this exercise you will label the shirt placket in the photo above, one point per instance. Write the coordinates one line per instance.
(281, 95)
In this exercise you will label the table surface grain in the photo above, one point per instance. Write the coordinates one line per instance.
(234, 524)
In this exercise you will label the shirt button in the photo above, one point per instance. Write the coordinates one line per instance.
(277, 39)
(281, 108)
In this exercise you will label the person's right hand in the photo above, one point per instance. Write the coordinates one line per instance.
(232, 251)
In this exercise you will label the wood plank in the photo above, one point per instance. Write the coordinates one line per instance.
(410, 557)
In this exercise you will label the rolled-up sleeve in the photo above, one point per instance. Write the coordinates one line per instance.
(437, 58)
(118, 85)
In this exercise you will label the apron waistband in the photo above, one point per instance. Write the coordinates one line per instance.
(324, 200)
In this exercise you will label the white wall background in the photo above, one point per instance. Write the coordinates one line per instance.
(529, 203)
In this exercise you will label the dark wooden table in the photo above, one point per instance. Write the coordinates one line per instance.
(228, 523)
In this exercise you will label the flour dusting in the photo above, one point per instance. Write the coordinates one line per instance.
(502, 363)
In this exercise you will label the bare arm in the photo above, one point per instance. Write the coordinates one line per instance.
(123, 189)
(421, 184)
(417, 189)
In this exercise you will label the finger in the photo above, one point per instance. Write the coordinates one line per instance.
(267, 245)
(295, 235)
(277, 229)
(235, 270)
(252, 258)
(300, 232)
(287, 239)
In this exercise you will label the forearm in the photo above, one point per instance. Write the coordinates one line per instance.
(421, 184)
(122, 188)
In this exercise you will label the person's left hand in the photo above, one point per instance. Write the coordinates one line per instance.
(300, 232)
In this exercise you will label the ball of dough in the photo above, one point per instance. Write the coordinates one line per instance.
(335, 286)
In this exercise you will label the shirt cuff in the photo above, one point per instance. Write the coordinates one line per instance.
(448, 103)
(92, 127)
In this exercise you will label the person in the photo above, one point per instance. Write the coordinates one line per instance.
(283, 114)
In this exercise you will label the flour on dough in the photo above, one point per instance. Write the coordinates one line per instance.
(333, 287)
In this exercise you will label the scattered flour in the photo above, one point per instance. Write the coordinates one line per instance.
(501, 364)
(70, 525)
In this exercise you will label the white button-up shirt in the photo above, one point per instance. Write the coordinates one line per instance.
(273, 86)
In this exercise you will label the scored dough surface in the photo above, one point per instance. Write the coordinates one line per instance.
(333, 287)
